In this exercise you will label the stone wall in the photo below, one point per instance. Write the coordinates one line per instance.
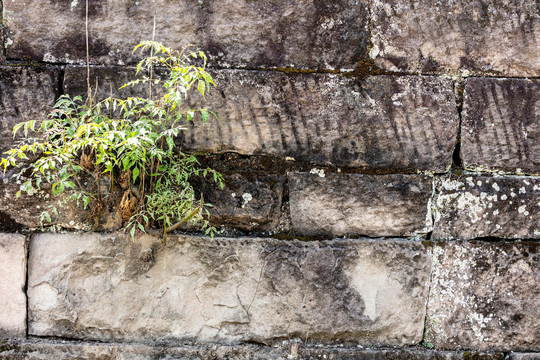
(382, 196)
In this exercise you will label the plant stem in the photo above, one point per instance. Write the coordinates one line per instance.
(88, 59)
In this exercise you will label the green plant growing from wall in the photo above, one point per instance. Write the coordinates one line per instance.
(84, 149)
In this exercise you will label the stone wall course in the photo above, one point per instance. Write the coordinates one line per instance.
(501, 125)
(380, 123)
(471, 206)
(354, 204)
(228, 290)
(483, 295)
(12, 283)
(49, 349)
(461, 37)
(303, 34)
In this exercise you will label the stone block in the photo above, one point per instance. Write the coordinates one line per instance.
(484, 296)
(27, 93)
(470, 206)
(384, 122)
(109, 287)
(501, 125)
(306, 34)
(457, 37)
(12, 283)
(248, 202)
(355, 204)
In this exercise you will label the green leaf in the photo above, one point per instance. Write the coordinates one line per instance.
(201, 87)
(135, 174)
(204, 115)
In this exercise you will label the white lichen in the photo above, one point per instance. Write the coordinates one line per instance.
(319, 172)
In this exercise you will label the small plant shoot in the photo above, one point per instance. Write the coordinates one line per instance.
(85, 148)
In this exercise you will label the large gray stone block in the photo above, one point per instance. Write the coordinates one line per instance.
(27, 93)
(462, 37)
(384, 122)
(106, 287)
(485, 296)
(12, 283)
(307, 33)
(355, 204)
(501, 125)
(470, 206)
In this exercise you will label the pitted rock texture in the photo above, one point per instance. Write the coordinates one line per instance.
(355, 204)
(484, 296)
(67, 350)
(470, 206)
(26, 93)
(383, 122)
(463, 37)
(369, 292)
(307, 33)
(501, 125)
(12, 282)
(247, 201)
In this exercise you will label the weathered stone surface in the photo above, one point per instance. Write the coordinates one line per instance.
(25, 94)
(108, 80)
(468, 206)
(303, 33)
(524, 356)
(372, 205)
(485, 296)
(464, 36)
(369, 292)
(247, 201)
(501, 125)
(381, 122)
(48, 349)
(12, 282)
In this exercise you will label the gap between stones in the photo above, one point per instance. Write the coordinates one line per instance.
(368, 68)
(27, 241)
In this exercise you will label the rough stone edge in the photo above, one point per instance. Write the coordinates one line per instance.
(18, 349)
(26, 246)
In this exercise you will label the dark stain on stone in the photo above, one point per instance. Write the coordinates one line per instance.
(319, 270)
(75, 46)
(399, 62)
(429, 65)
(23, 50)
(466, 63)
(8, 224)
